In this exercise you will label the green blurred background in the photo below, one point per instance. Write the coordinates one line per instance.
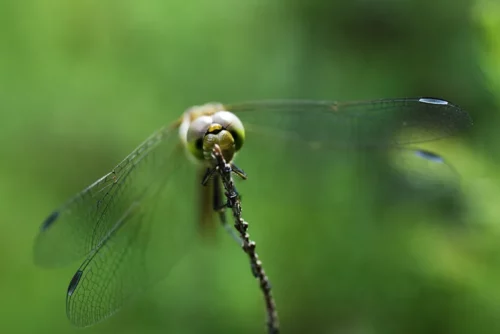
(84, 81)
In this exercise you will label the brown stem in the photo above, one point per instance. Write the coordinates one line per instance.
(233, 201)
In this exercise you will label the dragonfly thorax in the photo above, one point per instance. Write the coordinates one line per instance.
(206, 126)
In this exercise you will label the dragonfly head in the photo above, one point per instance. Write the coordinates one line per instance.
(222, 128)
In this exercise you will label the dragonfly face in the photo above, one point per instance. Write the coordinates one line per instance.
(206, 126)
(130, 226)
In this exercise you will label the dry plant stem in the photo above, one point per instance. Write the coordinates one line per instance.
(233, 201)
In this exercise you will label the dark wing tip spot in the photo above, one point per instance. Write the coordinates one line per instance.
(429, 100)
(50, 220)
(74, 282)
(429, 156)
(461, 118)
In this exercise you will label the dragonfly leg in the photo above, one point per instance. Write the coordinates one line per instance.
(236, 170)
(208, 175)
(220, 208)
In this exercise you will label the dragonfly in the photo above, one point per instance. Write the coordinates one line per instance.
(133, 224)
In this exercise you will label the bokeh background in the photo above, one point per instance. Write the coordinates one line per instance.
(348, 250)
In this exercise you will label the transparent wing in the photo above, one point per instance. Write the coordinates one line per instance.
(387, 122)
(132, 225)
(78, 226)
(279, 125)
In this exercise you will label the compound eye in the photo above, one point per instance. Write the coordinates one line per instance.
(197, 130)
(231, 123)
(198, 144)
